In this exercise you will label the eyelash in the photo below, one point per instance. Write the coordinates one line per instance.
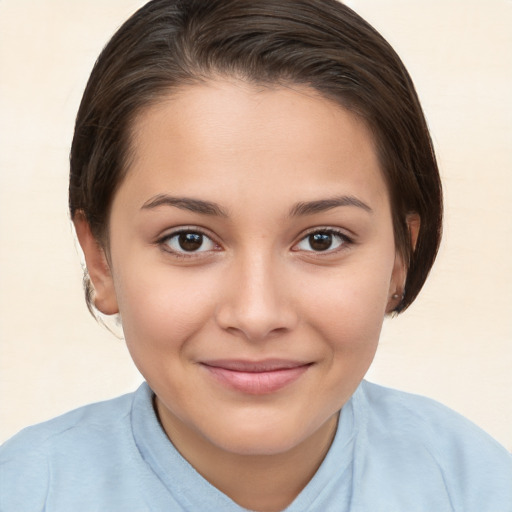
(163, 242)
(344, 242)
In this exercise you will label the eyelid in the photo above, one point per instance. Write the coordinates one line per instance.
(347, 240)
(162, 240)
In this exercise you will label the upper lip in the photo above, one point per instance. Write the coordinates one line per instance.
(267, 365)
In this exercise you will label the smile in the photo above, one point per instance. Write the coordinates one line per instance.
(256, 378)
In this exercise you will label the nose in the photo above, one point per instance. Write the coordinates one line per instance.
(257, 303)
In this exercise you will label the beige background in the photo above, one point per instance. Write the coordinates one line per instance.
(454, 344)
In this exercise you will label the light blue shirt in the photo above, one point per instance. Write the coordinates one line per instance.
(393, 452)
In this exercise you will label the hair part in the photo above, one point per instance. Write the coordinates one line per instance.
(321, 44)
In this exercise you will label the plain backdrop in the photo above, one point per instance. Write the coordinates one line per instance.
(455, 342)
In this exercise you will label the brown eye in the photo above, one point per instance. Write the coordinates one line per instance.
(323, 241)
(190, 241)
(320, 241)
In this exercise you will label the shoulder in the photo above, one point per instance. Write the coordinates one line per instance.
(98, 416)
(435, 443)
(30, 459)
(421, 416)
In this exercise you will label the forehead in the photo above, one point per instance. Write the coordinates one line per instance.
(230, 133)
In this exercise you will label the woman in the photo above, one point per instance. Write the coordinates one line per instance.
(254, 189)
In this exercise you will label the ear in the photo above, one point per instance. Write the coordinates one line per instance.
(399, 275)
(413, 225)
(104, 297)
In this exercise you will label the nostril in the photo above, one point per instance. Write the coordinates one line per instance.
(256, 332)
(256, 302)
(255, 324)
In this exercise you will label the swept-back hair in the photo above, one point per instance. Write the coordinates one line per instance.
(322, 44)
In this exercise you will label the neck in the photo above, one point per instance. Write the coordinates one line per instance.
(263, 483)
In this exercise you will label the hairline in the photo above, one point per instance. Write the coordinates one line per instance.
(170, 91)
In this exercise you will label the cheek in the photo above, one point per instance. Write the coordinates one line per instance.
(351, 299)
(162, 309)
(349, 309)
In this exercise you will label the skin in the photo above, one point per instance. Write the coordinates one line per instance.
(255, 290)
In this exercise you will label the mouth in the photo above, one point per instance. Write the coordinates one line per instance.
(256, 377)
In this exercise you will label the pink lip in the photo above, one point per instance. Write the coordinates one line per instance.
(256, 377)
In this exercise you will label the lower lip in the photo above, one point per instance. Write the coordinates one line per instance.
(256, 383)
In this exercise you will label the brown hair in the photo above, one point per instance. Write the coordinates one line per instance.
(321, 44)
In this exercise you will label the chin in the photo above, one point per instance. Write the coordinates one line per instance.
(259, 444)
(256, 437)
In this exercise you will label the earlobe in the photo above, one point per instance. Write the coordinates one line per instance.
(397, 284)
(104, 296)
(399, 276)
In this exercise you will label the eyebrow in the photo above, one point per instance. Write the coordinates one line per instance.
(208, 208)
(312, 207)
(185, 203)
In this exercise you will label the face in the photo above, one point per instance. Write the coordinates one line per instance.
(252, 261)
